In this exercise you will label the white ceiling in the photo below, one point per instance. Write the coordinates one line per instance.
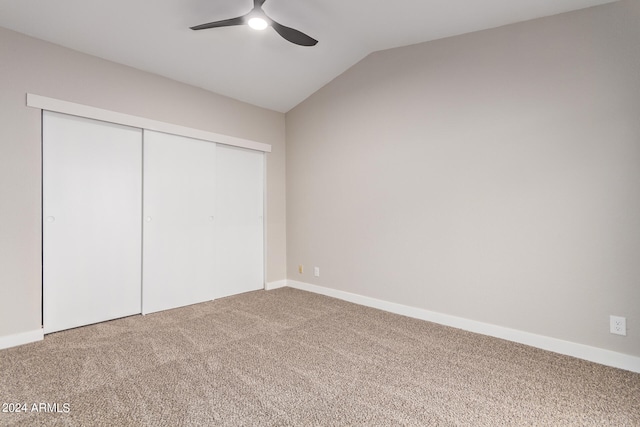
(260, 68)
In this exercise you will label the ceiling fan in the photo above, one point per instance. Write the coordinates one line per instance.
(259, 20)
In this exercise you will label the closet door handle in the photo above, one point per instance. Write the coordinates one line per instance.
(148, 219)
(51, 218)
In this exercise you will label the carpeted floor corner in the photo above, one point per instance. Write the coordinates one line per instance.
(292, 358)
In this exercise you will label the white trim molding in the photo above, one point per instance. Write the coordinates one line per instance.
(275, 285)
(80, 110)
(580, 351)
(15, 340)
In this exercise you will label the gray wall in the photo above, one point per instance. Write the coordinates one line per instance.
(30, 65)
(493, 176)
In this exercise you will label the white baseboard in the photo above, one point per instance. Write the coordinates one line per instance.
(275, 285)
(14, 340)
(581, 351)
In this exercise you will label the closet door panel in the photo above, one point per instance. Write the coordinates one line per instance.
(92, 207)
(239, 220)
(179, 221)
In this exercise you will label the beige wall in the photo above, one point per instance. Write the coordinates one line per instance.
(493, 176)
(30, 65)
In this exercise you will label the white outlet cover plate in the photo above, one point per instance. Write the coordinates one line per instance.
(618, 325)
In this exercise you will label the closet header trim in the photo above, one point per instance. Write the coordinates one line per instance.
(71, 108)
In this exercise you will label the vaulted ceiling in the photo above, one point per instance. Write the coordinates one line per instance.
(260, 68)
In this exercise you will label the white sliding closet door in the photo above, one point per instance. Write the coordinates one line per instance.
(92, 207)
(179, 221)
(239, 220)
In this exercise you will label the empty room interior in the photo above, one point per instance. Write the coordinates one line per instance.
(365, 213)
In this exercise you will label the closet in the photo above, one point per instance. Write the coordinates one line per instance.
(138, 221)
(239, 220)
(92, 192)
(179, 241)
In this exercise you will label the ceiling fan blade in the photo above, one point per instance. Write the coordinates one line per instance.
(294, 36)
(240, 20)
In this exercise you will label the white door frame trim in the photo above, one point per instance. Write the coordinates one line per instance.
(73, 109)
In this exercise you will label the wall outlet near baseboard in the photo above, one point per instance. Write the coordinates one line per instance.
(316, 271)
(300, 269)
(618, 325)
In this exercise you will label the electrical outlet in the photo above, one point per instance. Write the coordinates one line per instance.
(316, 271)
(618, 325)
(300, 268)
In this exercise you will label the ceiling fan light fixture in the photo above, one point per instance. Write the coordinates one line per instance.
(258, 20)
(258, 23)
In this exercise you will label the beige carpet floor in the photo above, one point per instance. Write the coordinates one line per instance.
(292, 358)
